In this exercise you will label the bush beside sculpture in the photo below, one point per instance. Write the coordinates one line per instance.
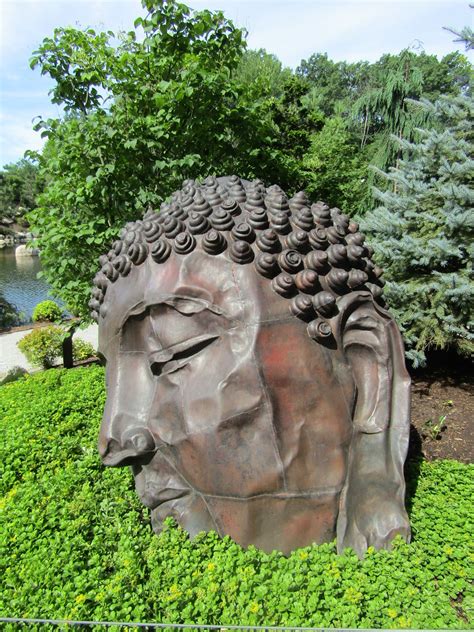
(42, 347)
(75, 541)
(82, 350)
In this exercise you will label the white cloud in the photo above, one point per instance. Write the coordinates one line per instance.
(16, 136)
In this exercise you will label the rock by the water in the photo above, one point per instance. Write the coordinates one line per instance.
(15, 373)
(25, 251)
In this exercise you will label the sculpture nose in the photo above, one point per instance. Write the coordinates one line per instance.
(135, 442)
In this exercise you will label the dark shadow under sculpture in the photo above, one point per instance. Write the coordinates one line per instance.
(255, 382)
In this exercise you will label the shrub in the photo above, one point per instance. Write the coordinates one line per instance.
(76, 543)
(42, 346)
(82, 350)
(47, 310)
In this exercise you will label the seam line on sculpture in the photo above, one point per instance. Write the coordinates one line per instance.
(269, 407)
(181, 397)
(152, 399)
(264, 389)
(269, 416)
(213, 518)
(281, 495)
(223, 421)
(152, 322)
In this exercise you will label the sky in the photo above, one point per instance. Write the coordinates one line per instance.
(349, 30)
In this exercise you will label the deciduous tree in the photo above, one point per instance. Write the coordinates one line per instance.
(141, 116)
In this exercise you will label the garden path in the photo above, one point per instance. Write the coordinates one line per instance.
(11, 356)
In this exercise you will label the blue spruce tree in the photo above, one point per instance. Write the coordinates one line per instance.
(422, 232)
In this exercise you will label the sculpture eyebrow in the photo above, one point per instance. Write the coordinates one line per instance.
(179, 302)
(174, 300)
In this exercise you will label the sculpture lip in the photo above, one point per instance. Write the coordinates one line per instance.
(164, 496)
(122, 458)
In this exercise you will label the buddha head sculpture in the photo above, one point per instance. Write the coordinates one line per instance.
(255, 381)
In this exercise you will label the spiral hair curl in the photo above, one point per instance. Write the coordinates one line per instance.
(312, 253)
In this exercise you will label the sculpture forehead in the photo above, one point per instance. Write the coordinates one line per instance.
(237, 291)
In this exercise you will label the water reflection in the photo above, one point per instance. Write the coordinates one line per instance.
(18, 281)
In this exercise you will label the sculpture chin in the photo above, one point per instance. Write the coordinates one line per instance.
(155, 487)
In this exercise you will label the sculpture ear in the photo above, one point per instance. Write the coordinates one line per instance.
(366, 343)
(374, 349)
(371, 507)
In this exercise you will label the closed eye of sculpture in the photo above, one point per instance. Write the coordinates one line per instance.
(174, 358)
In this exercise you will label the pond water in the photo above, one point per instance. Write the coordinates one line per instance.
(18, 282)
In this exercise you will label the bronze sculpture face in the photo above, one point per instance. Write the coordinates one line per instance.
(250, 387)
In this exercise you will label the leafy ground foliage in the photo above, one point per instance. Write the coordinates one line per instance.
(75, 541)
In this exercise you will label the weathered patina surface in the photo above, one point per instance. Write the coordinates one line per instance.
(255, 381)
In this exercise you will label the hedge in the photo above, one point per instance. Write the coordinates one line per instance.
(76, 543)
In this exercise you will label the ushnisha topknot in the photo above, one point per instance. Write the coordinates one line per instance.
(311, 253)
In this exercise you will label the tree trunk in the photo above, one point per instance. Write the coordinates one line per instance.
(68, 359)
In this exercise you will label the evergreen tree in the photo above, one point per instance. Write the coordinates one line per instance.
(382, 111)
(422, 232)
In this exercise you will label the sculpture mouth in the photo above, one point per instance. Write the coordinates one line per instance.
(126, 457)
(153, 500)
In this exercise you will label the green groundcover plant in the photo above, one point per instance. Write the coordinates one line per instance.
(76, 543)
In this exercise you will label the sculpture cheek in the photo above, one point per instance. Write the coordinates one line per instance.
(166, 412)
(233, 386)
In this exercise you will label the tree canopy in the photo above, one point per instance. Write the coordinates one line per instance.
(180, 96)
(19, 187)
(141, 116)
